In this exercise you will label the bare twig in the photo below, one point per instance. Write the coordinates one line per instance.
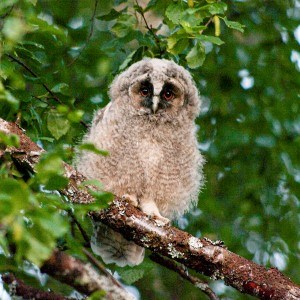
(207, 23)
(17, 287)
(150, 29)
(203, 286)
(89, 36)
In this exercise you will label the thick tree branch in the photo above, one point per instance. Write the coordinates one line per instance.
(82, 276)
(17, 287)
(209, 258)
(202, 255)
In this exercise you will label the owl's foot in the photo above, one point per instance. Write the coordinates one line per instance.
(150, 208)
(132, 199)
(161, 221)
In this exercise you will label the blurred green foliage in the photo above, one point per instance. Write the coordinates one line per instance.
(57, 59)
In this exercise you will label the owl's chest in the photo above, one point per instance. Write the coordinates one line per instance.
(150, 153)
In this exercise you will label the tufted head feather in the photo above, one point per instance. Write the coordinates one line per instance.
(158, 75)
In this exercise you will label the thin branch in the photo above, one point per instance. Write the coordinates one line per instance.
(89, 35)
(43, 84)
(2, 17)
(93, 260)
(203, 286)
(207, 23)
(81, 229)
(34, 75)
(17, 287)
(150, 29)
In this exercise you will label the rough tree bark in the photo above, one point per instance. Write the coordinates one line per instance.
(83, 277)
(209, 258)
(19, 288)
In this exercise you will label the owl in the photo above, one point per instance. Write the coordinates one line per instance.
(149, 131)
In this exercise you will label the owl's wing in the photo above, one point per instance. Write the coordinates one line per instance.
(114, 248)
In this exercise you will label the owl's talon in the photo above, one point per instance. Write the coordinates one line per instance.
(161, 221)
(131, 199)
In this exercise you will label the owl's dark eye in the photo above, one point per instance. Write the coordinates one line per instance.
(145, 91)
(168, 95)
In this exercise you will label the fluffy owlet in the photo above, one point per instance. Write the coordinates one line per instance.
(149, 131)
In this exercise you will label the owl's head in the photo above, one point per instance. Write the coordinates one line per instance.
(157, 88)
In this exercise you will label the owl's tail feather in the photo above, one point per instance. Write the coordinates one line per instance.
(114, 248)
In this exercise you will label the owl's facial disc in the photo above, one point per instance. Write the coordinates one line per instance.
(154, 96)
(157, 99)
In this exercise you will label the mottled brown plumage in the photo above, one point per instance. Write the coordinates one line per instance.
(148, 129)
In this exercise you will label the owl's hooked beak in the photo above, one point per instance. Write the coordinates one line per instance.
(155, 102)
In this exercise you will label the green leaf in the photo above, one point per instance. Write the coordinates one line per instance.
(7, 100)
(61, 88)
(57, 124)
(209, 38)
(35, 249)
(6, 4)
(196, 56)
(124, 25)
(215, 8)
(95, 188)
(56, 182)
(50, 172)
(41, 25)
(98, 295)
(33, 2)
(94, 182)
(14, 196)
(75, 116)
(9, 139)
(92, 148)
(51, 221)
(177, 46)
(45, 138)
(128, 60)
(105, 6)
(103, 198)
(233, 25)
(6, 69)
(4, 243)
(112, 15)
(174, 12)
(33, 44)
(129, 276)
(23, 52)
(132, 274)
